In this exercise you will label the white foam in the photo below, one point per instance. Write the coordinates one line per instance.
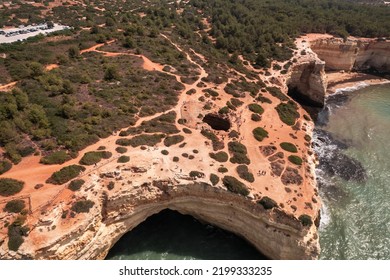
(325, 216)
(352, 88)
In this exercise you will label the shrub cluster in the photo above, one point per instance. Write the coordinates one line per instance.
(139, 140)
(16, 232)
(10, 187)
(305, 220)
(15, 206)
(214, 179)
(91, 158)
(235, 186)
(217, 144)
(295, 160)
(121, 150)
(244, 173)
(256, 108)
(75, 185)
(123, 159)
(65, 174)
(58, 157)
(173, 140)
(239, 153)
(276, 92)
(196, 174)
(5, 165)
(267, 203)
(220, 156)
(289, 147)
(288, 112)
(82, 206)
(260, 133)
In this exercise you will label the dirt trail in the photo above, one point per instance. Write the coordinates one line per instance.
(7, 87)
(51, 67)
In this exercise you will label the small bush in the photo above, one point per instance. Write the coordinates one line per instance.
(267, 203)
(214, 179)
(65, 174)
(223, 170)
(288, 112)
(15, 206)
(295, 160)
(111, 186)
(263, 99)
(123, 159)
(256, 108)
(276, 92)
(10, 187)
(233, 134)
(196, 174)
(244, 173)
(289, 147)
(165, 152)
(5, 165)
(75, 185)
(255, 117)
(220, 156)
(239, 153)
(173, 140)
(121, 150)
(236, 102)
(223, 110)
(260, 133)
(175, 159)
(58, 157)
(82, 206)
(305, 220)
(217, 144)
(139, 140)
(15, 235)
(187, 131)
(235, 186)
(307, 138)
(92, 158)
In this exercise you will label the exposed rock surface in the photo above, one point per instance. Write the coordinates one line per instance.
(353, 54)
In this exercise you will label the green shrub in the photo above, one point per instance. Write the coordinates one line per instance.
(305, 220)
(256, 108)
(15, 206)
(307, 138)
(267, 203)
(5, 165)
(10, 187)
(233, 134)
(214, 179)
(217, 145)
(196, 174)
(15, 235)
(82, 206)
(260, 133)
(276, 92)
(139, 140)
(165, 152)
(223, 170)
(175, 159)
(65, 174)
(111, 186)
(255, 117)
(244, 173)
(288, 112)
(123, 159)
(75, 185)
(58, 157)
(239, 153)
(101, 148)
(295, 159)
(235, 186)
(236, 102)
(220, 156)
(91, 158)
(187, 131)
(224, 110)
(289, 147)
(263, 99)
(121, 150)
(173, 140)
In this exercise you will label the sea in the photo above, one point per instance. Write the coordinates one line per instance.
(352, 140)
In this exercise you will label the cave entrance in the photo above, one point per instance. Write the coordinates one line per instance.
(312, 107)
(171, 235)
(217, 122)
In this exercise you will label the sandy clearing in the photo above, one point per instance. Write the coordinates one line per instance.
(51, 67)
(7, 87)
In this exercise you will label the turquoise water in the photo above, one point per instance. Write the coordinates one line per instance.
(356, 214)
(172, 236)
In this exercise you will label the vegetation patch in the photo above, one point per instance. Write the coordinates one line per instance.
(305, 220)
(220, 156)
(82, 206)
(214, 179)
(121, 150)
(139, 140)
(260, 133)
(16, 232)
(10, 187)
(75, 185)
(15, 206)
(267, 203)
(244, 173)
(173, 140)
(288, 112)
(255, 117)
(276, 92)
(58, 157)
(223, 170)
(187, 131)
(123, 159)
(5, 166)
(65, 174)
(289, 147)
(235, 186)
(256, 108)
(165, 152)
(295, 160)
(239, 153)
(196, 174)
(217, 144)
(91, 158)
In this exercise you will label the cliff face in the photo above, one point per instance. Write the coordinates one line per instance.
(353, 54)
(274, 233)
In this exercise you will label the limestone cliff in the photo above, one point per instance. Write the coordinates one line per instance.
(353, 54)
(273, 232)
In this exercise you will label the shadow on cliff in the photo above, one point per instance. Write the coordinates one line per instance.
(170, 235)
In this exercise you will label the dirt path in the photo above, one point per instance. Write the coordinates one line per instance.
(7, 87)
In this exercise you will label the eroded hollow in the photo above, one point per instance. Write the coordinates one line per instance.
(312, 107)
(217, 122)
(171, 235)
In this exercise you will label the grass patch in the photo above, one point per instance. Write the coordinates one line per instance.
(295, 160)
(75, 185)
(239, 153)
(5, 165)
(10, 187)
(260, 133)
(82, 206)
(15, 206)
(173, 140)
(244, 173)
(235, 186)
(220, 156)
(267, 203)
(92, 158)
(65, 174)
(256, 108)
(58, 157)
(123, 159)
(289, 147)
(214, 179)
(288, 112)
(139, 140)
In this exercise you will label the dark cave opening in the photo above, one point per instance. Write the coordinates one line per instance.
(217, 122)
(312, 107)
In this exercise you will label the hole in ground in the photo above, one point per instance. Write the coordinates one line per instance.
(217, 122)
